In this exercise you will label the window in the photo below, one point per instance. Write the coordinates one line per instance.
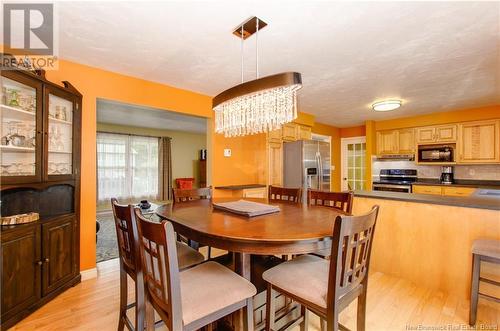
(127, 167)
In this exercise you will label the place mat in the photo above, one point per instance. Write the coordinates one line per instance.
(246, 208)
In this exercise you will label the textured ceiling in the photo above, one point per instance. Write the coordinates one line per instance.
(435, 56)
(144, 117)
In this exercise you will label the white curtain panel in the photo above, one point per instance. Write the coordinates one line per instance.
(127, 167)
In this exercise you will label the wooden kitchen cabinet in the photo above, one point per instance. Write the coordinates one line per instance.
(275, 167)
(427, 189)
(289, 132)
(406, 141)
(274, 136)
(479, 142)
(457, 191)
(304, 132)
(256, 193)
(437, 134)
(401, 141)
(387, 142)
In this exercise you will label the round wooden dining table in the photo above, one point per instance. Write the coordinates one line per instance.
(295, 229)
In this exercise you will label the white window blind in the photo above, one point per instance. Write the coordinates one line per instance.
(127, 167)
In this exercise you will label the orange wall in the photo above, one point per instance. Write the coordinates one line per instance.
(333, 132)
(247, 162)
(96, 83)
(356, 131)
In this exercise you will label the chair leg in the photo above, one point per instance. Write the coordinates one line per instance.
(209, 249)
(269, 308)
(305, 315)
(474, 291)
(248, 315)
(324, 324)
(123, 300)
(139, 304)
(361, 314)
(150, 315)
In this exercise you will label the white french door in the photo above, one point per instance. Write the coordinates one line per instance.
(353, 156)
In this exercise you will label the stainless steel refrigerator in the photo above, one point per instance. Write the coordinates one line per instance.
(306, 164)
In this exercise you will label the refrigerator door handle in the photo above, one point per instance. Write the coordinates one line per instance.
(320, 171)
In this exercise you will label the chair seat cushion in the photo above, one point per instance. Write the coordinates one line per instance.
(210, 287)
(305, 277)
(187, 256)
(487, 247)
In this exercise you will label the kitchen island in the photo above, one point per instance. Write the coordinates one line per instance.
(427, 239)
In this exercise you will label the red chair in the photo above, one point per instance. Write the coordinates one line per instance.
(184, 183)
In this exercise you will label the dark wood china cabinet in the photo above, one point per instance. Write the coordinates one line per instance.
(40, 172)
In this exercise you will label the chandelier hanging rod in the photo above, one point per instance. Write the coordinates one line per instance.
(264, 83)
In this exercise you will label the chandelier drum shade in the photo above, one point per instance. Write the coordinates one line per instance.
(259, 105)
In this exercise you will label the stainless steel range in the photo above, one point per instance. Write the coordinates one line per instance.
(395, 180)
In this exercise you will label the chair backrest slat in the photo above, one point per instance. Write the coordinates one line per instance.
(351, 249)
(158, 251)
(184, 195)
(126, 234)
(282, 194)
(338, 200)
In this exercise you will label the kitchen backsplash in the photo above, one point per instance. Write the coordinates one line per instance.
(478, 172)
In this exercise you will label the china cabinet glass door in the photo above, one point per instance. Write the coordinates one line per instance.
(20, 144)
(59, 135)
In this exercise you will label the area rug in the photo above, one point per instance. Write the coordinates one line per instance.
(107, 247)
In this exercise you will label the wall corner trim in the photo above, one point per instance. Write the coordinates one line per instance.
(88, 274)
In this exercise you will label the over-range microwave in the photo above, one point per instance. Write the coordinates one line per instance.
(436, 153)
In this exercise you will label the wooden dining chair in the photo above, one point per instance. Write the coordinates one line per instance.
(339, 200)
(185, 195)
(283, 194)
(193, 298)
(327, 287)
(129, 260)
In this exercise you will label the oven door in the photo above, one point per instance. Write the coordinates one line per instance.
(392, 188)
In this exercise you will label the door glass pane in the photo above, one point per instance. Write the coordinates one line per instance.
(18, 129)
(60, 136)
(356, 166)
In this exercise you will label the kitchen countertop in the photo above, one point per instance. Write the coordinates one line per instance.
(495, 184)
(474, 201)
(239, 187)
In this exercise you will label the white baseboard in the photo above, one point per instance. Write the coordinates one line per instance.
(88, 274)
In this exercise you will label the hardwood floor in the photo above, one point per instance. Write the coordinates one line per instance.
(393, 304)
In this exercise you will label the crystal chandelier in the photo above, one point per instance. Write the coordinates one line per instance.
(259, 105)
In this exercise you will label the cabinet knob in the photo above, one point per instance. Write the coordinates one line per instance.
(46, 260)
(39, 262)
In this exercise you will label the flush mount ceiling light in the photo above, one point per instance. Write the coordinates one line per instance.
(260, 105)
(387, 105)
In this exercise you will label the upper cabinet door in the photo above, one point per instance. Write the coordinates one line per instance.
(21, 129)
(479, 142)
(387, 142)
(406, 138)
(437, 134)
(61, 119)
(426, 135)
(446, 133)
